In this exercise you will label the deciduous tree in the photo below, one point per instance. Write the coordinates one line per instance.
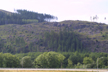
(49, 60)
(26, 62)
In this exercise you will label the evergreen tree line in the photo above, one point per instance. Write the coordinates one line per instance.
(12, 18)
(54, 60)
(64, 41)
(23, 17)
(33, 15)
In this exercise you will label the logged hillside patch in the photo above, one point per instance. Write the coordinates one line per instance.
(54, 36)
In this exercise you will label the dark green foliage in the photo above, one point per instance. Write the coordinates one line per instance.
(9, 60)
(1, 60)
(72, 59)
(12, 18)
(33, 15)
(54, 60)
(64, 41)
(76, 57)
(26, 62)
(23, 17)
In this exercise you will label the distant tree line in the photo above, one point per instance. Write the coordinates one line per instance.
(54, 60)
(33, 15)
(23, 17)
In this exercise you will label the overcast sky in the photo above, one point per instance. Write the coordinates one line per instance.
(63, 9)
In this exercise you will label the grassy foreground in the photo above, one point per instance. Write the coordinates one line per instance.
(40, 71)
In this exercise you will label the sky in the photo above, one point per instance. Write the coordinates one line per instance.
(63, 9)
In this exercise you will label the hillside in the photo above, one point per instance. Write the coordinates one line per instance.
(76, 36)
(27, 31)
(6, 12)
(95, 34)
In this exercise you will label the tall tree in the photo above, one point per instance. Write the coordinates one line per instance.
(10, 61)
(49, 60)
(26, 62)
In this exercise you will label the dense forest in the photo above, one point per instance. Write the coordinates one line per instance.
(23, 17)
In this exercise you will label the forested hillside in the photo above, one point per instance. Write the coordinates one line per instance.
(38, 35)
(54, 36)
(29, 40)
(23, 17)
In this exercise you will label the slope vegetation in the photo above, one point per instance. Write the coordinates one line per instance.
(62, 36)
